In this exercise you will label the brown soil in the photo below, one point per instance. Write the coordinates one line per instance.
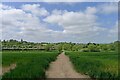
(7, 69)
(62, 68)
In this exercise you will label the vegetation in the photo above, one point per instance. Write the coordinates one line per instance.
(32, 59)
(30, 64)
(89, 47)
(96, 64)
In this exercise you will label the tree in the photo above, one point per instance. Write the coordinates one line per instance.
(93, 48)
(76, 47)
(59, 47)
(48, 47)
(21, 40)
(67, 46)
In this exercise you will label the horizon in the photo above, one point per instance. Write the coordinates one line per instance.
(78, 22)
(59, 42)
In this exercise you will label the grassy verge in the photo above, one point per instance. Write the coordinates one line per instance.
(96, 64)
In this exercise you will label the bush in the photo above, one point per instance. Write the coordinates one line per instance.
(85, 50)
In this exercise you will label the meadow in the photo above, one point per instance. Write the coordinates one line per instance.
(96, 64)
(30, 64)
(33, 59)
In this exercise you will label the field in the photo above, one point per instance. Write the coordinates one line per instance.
(30, 64)
(33, 64)
(95, 64)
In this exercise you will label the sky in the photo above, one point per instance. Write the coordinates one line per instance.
(79, 22)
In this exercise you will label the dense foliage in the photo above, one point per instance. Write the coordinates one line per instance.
(30, 64)
(89, 47)
(96, 64)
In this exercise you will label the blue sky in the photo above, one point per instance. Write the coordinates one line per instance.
(107, 19)
(58, 22)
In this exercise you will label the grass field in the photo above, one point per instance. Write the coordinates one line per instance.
(95, 64)
(30, 64)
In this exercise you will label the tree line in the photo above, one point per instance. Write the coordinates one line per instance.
(67, 46)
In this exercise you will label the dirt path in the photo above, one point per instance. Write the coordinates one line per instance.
(62, 68)
(4, 70)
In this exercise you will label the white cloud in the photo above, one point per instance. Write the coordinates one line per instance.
(79, 0)
(91, 10)
(81, 26)
(76, 23)
(108, 8)
(25, 23)
(59, 0)
(113, 32)
(5, 7)
(35, 9)
(114, 29)
(63, 0)
(58, 12)
(17, 24)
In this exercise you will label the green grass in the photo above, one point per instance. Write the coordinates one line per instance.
(30, 64)
(95, 64)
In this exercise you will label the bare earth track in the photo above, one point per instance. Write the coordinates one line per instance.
(7, 69)
(62, 68)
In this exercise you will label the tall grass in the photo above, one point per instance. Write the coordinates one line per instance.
(96, 64)
(30, 65)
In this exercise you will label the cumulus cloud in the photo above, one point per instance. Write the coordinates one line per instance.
(35, 9)
(76, 23)
(91, 10)
(17, 23)
(25, 23)
(5, 6)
